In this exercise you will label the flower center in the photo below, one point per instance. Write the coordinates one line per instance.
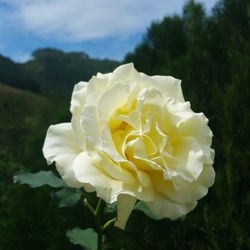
(139, 139)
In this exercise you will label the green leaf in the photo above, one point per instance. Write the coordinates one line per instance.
(142, 207)
(86, 238)
(67, 197)
(38, 179)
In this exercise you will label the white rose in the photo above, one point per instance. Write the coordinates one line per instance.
(132, 137)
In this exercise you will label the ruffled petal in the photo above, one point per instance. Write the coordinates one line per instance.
(187, 193)
(61, 147)
(166, 208)
(190, 158)
(98, 84)
(173, 86)
(78, 100)
(195, 190)
(91, 126)
(196, 125)
(107, 145)
(88, 171)
(168, 85)
(78, 96)
(113, 169)
(112, 100)
(125, 73)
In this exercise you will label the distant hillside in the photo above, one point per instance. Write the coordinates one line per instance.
(13, 74)
(21, 112)
(51, 71)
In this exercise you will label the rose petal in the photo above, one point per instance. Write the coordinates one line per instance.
(125, 205)
(107, 145)
(172, 86)
(113, 169)
(87, 170)
(125, 73)
(195, 190)
(165, 208)
(91, 126)
(196, 126)
(78, 100)
(187, 193)
(108, 104)
(190, 158)
(78, 96)
(168, 85)
(98, 84)
(61, 147)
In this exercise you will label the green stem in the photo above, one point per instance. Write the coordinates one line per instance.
(91, 209)
(108, 223)
(98, 213)
(99, 207)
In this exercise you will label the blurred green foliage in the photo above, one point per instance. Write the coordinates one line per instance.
(211, 54)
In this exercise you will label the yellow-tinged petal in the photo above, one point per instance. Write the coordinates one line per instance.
(165, 208)
(194, 190)
(107, 145)
(143, 178)
(114, 170)
(87, 170)
(172, 86)
(125, 73)
(168, 85)
(188, 192)
(108, 104)
(125, 205)
(196, 126)
(190, 157)
(98, 84)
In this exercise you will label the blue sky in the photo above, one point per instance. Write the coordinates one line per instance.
(101, 28)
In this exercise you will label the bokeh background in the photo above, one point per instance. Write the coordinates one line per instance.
(48, 46)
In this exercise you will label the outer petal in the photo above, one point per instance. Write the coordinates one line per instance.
(112, 100)
(98, 84)
(168, 85)
(173, 86)
(78, 96)
(88, 171)
(195, 190)
(196, 126)
(166, 208)
(190, 158)
(125, 205)
(78, 100)
(189, 192)
(61, 147)
(125, 73)
(91, 126)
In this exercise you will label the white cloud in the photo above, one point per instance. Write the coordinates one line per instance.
(20, 56)
(80, 20)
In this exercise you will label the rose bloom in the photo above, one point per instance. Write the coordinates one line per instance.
(133, 137)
